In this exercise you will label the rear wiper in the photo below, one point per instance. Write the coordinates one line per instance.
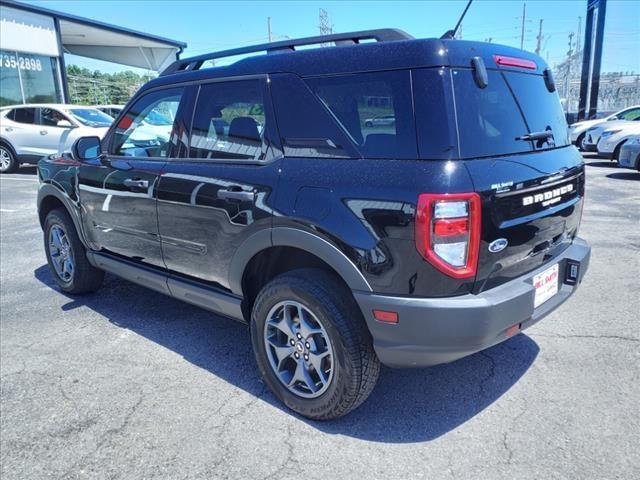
(536, 136)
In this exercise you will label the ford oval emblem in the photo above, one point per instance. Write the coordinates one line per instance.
(498, 245)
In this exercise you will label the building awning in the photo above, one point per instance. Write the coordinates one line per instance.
(114, 46)
(24, 24)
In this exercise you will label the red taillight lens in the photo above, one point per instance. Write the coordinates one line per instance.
(514, 62)
(448, 232)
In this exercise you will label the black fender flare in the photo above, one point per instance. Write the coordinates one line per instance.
(49, 190)
(303, 240)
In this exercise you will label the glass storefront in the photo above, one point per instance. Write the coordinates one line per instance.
(28, 78)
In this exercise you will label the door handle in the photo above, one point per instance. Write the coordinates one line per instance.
(233, 194)
(8, 129)
(43, 132)
(136, 183)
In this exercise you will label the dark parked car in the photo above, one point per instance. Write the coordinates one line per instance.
(342, 247)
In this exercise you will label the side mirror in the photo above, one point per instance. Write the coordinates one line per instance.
(612, 118)
(86, 148)
(65, 124)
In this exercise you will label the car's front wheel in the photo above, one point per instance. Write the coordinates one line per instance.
(312, 345)
(8, 161)
(67, 256)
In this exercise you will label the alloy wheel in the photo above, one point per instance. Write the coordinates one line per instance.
(5, 159)
(299, 349)
(61, 253)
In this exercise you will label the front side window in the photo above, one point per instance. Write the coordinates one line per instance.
(229, 122)
(374, 108)
(50, 117)
(139, 133)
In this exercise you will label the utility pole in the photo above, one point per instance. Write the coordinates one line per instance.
(579, 34)
(539, 38)
(524, 16)
(269, 28)
(325, 27)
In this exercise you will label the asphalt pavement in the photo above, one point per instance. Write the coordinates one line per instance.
(127, 383)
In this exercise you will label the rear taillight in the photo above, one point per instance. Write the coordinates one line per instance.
(448, 232)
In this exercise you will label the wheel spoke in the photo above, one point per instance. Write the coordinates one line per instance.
(307, 329)
(282, 352)
(55, 236)
(315, 359)
(284, 324)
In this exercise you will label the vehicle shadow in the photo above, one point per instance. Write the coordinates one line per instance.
(630, 175)
(600, 163)
(407, 406)
(26, 170)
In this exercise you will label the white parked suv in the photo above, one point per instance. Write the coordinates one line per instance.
(30, 132)
(592, 135)
(578, 130)
(612, 139)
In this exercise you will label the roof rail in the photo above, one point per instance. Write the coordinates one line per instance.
(349, 38)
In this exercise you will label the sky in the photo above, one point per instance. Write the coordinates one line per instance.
(217, 25)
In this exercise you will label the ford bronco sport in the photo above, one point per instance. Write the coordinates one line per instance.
(344, 243)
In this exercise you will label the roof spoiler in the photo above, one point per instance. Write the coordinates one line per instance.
(349, 38)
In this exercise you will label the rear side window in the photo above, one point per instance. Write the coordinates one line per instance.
(25, 115)
(541, 108)
(374, 108)
(229, 122)
(489, 120)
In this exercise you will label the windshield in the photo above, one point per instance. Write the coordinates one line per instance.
(91, 117)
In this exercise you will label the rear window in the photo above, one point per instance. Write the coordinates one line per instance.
(374, 108)
(488, 118)
(541, 108)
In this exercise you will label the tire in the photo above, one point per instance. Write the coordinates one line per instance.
(8, 161)
(62, 244)
(579, 141)
(368, 124)
(354, 366)
(616, 152)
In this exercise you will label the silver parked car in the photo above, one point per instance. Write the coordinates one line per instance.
(630, 153)
(30, 132)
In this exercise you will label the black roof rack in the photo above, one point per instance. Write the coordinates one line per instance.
(349, 38)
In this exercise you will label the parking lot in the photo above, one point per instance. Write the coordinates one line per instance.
(127, 383)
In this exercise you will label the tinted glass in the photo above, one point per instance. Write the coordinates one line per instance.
(435, 122)
(10, 92)
(541, 108)
(50, 117)
(229, 122)
(305, 125)
(488, 118)
(134, 136)
(25, 115)
(375, 109)
(91, 117)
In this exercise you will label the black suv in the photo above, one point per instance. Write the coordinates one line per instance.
(397, 201)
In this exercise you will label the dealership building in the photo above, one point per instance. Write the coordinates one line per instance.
(33, 42)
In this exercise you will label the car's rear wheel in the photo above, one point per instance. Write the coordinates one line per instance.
(8, 161)
(616, 152)
(580, 142)
(67, 256)
(312, 345)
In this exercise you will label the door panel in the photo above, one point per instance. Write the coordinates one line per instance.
(218, 195)
(119, 192)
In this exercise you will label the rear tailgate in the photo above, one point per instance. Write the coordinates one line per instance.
(531, 190)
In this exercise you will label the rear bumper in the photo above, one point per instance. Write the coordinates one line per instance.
(440, 330)
(590, 147)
